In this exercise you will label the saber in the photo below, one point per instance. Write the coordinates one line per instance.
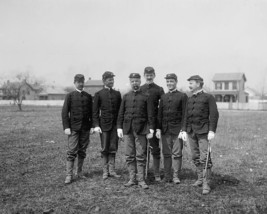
(147, 158)
(207, 160)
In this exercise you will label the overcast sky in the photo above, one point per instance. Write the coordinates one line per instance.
(55, 39)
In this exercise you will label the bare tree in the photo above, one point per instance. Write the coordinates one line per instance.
(15, 90)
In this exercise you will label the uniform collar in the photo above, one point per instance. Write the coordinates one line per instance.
(136, 91)
(80, 91)
(150, 84)
(105, 87)
(174, 90)
(200, 91)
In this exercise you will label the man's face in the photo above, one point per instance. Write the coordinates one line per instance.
(109, 82)
(135, 83)
(171, 84)
(149, 78)
(194, 85)
(79, 85)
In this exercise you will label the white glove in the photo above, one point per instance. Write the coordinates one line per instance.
(67, 131)
(180, 135)
(97, 129)
(184, 136)
(120, 133)
(150, 134)
(92, 131)
(158, 133)
(211, 135)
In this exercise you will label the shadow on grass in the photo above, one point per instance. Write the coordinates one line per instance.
(227, 180)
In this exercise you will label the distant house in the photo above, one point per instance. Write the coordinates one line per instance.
(230, 87)
(25, 90)
(253, 94)
(92, 86)
(1, 93)
(52, 93)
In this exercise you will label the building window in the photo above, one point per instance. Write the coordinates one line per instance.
(234, 85)
(218, 86)
(226, 85)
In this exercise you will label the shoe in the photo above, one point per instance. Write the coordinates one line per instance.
(176, 180)
(143, 184)
(130, 183)
(114, 174)
(105, 176)
(157, 179)
(68, 179)
(166, 180)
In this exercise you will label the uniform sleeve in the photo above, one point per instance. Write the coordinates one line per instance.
(184, 123)
(91, 110)
(119, 100)
(96, 110)
(121, 114)
(214, 114)
(151, 114)
(161, 91)
(184, 103)
(65, 113)
(160, 115)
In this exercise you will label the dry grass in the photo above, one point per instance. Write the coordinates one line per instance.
(32, 167)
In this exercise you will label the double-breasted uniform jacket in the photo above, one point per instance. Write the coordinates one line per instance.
(136, 113)
(106, 108)
(77, 111)
(154, 92)
(171, 112)
(201, 114)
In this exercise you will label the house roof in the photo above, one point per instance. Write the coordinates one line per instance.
(91, 82)
(229, 76)
(52, 90)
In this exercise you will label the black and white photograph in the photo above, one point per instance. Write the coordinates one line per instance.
(133, 106)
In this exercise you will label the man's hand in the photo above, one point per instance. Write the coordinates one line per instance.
(98, 130)
(67, 131)
(184, 136)
(120, 133)
(92, 131)
(150, 134)
(211, 135)
(158, 133)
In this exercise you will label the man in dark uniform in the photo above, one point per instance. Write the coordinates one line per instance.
(77, 120)
(154, 92)
(105, 112)
(170, 119)
(201, 120)
(136, 123)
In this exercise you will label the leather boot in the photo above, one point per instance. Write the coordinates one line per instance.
(79, 168)
(141, 177)
(156, 166)
(167, 169)
(176, 165)
(206, 182)
(132, 174)
(69, 168)
(105, 166)
(111, 161)
(199, 181)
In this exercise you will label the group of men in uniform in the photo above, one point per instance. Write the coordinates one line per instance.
(142, 116)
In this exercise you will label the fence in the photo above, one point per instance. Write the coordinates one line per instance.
(35, 102)
(261, 105)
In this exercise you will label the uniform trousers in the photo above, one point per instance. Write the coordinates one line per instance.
(172, 146)
(78, 142)
(109, 141)
(199, 148)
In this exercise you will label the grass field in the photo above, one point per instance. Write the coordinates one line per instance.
(32, 168)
